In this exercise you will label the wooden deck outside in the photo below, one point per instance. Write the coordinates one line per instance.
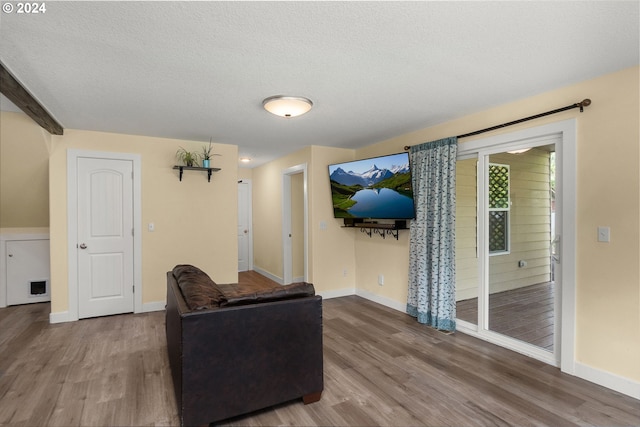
(525, 314)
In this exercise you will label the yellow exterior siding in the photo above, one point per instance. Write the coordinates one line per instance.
(529, 230)
(466, 211)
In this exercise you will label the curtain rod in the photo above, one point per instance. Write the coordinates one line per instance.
(581, 105)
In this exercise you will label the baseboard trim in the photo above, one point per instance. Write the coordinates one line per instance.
(153, 306)
(337, 293)
(64, 316)
(609, 380)
(60, 317)
(387, 302)
(265, 273)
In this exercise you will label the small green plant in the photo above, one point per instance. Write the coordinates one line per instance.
(189, 158)
(207, 154)
(206, 151)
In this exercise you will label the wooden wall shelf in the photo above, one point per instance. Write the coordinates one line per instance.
(197, 168)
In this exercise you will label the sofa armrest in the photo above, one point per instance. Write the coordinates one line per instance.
(175, 309)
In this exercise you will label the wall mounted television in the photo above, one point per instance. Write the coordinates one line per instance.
(373, 188)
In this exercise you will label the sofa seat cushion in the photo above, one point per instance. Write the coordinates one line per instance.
(198, 290)
(240, 294)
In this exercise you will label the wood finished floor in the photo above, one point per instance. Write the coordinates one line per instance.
(525, 314)
(381, 368)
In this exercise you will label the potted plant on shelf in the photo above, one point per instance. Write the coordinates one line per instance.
(189, 158)
(206, 155)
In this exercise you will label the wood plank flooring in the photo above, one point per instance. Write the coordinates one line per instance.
(381, 368)
(525, 314)
(94, 372)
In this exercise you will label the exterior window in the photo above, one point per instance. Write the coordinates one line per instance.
(499, 206)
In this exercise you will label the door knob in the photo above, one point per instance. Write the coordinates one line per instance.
(83, 246)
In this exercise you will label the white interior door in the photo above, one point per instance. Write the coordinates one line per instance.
(244, 226)
(105, 237)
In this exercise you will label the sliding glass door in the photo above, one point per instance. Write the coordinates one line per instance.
(506, 289)
(519, 218)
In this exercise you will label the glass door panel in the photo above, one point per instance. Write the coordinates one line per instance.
(467, 273)
(520, 213)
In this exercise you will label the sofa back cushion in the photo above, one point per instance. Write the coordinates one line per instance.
(239, 295)
(198, 290)
(202, 293)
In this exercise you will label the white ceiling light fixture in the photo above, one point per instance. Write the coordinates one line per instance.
(287, 106)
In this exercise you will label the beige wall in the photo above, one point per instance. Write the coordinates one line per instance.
(245, 173)
(24, 172)
(195, 221)
(331, 248)
(608, 182)
(333, 260)
(608, 275)
(267, 212)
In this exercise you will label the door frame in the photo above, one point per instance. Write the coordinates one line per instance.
(72, 224)
(566, 171)
(287, 273)
(250, 219)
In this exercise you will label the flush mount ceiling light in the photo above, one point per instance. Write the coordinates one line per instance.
(287, 106)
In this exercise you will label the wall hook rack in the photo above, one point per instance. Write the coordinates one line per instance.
(381, 231)
(371, 228)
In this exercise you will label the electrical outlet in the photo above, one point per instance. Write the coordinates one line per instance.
(344, 273)
(151, 227)
(380, 279)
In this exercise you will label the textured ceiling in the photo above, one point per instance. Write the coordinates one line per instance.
(374, 70)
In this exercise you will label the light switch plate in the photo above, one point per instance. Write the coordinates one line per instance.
(604, 234)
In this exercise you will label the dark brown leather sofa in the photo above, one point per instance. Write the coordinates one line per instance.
(233, 350)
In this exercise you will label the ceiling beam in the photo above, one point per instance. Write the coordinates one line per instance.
(12, 89)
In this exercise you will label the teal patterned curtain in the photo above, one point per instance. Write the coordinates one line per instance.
(432, 292)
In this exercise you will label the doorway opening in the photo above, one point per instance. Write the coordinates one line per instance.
(295, 224)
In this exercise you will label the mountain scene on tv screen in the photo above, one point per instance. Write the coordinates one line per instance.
(377, 192)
